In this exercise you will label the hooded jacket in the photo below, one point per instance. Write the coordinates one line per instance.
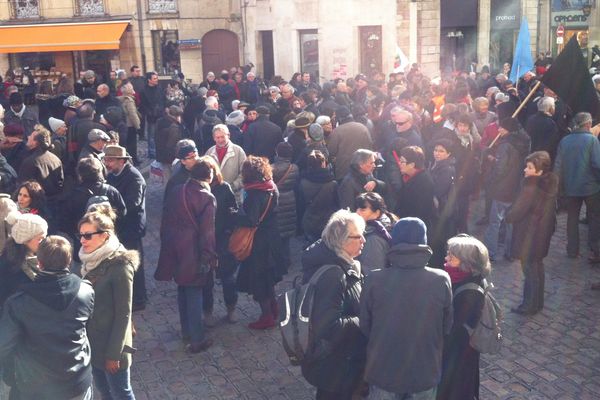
(406, 309)
(109, 328)
(44, 324)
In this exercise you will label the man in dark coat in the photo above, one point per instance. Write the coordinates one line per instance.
(44, 167)
(226, 93)
(404, 353)
(187, 153)
(13, 146)
(132, 227)
(168, 132)
(44, 327)
(542, 129)
(415, 198)
(152, 104)
(401, 125)
(104, 100)
(262, 136)
(19, 113)
(505, 178)
(79, 130)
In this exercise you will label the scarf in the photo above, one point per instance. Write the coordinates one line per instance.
(379, 229)
(221, 151)
(89, 261)
(266, 186)
(28, 210)
(456, 275)
(406, 178)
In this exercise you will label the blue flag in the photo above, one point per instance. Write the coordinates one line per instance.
(522, 61)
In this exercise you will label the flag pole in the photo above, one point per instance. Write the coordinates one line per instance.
(518, 110)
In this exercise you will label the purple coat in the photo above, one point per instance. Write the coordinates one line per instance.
(187, 247)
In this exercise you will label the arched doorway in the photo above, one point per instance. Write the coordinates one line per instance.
(220, 50)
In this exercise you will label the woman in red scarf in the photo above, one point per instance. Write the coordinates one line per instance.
(265, 266)
(467, 261)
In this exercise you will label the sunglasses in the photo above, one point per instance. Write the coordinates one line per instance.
(88, 236)
(400, 123)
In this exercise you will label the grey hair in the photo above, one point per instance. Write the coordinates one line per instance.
(361, 156)
(472, 253)
(323, 120)
(581, 119)
(290, 88)
(479, 101)
(501, 97)
(501, 76)
(337, 230)
(220, 127)
(211, 101)
(545, 104)
(399, 110)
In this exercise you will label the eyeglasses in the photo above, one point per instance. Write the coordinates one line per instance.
(88, 236)
(400, 123)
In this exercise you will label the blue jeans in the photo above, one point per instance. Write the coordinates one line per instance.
(497, 215)
(113, 386)
(151, 136)
(189, 299)
(376, 393)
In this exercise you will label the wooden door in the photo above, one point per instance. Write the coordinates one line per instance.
(370, 50)
(220, 50)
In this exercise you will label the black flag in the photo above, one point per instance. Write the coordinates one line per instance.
(569, 78)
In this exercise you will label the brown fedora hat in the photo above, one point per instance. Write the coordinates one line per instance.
(114, 151)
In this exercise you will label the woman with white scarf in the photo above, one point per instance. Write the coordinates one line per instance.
(110, 268)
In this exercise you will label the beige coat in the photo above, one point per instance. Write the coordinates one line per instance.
(231, 166)
(131, 113)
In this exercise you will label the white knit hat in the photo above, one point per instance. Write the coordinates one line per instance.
(26, 226)
(55, 123)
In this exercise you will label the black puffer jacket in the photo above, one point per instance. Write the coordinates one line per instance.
(286, 183)
(337, 356)
(48, 316)
(317, 200)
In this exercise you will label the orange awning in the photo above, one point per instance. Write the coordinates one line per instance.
(103, 35)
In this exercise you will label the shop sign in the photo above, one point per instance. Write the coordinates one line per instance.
(572, 18)
(189, 44)
(505, 14)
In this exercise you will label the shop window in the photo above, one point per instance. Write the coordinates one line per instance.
(90, 7)
(162, 6)
(309, 52)
(166, 52)
(25, 9)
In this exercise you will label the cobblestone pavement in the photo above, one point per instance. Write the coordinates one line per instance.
(553, 355)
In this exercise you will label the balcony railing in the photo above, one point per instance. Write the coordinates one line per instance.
(89, 7)
(25, 9)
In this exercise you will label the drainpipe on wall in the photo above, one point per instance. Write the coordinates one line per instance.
(243, 6)
(413, 23)
(141, 33)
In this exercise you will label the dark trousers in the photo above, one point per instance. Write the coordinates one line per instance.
(592, 204)
(139, 278)
(226, 272)
(325, 395)
(533, 287)
(131, 145)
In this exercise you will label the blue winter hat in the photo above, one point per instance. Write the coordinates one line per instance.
(409, 230)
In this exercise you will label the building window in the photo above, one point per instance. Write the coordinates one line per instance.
(90, 7)
(309, 52)
(162, 6)
(166, 52)
(26, 9)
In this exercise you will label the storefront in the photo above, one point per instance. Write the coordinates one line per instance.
(504, 28)
(458, 40)
(50, 50)
(574, 16)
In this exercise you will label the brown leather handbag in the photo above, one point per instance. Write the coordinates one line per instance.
(242, 237)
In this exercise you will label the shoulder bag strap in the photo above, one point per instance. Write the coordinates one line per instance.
(264, 214)
(282, 179)
(185, 204)
(396, 157)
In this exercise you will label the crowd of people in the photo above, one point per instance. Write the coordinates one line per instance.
(375, 174)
